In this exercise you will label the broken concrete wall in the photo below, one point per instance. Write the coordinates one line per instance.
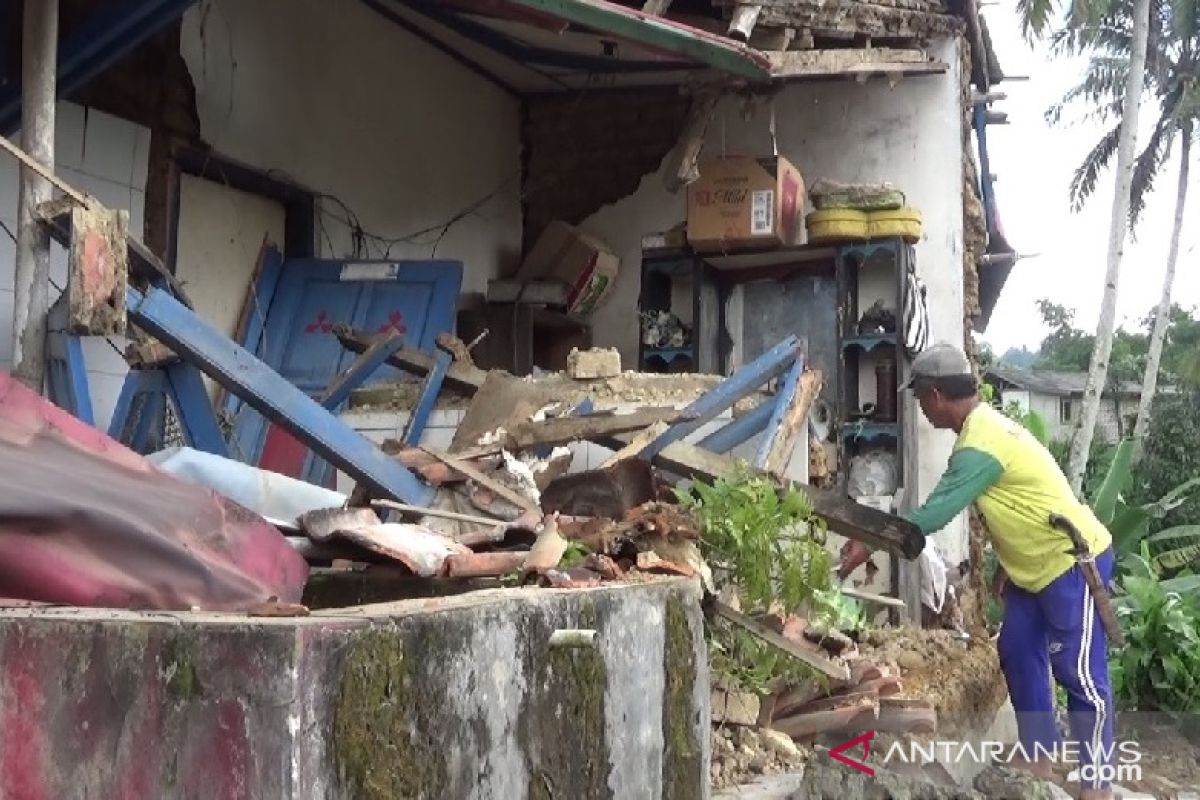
(444, 698)
(909, 133)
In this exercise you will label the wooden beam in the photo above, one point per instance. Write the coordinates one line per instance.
(460, 377)
(563, 430)
(852, 62)
(812, 657)
(843, 516)
(776, 450)
(636, 444)
(682, 169)
(486, 481)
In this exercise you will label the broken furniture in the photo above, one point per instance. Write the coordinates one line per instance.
(684, 336)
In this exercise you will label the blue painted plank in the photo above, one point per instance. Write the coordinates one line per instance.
(66, 373)
(430, 390)
(783, 399)
(374, 358)
(200, 427)
(129, 389)
(740, 430)
(194, 339)
(727, 392)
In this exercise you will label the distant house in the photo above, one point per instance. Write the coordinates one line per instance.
(1058, 397)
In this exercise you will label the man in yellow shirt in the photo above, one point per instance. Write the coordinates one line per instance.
(1050, 618)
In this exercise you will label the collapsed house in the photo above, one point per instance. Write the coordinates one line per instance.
(407, 225)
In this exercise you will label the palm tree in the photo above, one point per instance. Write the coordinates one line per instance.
(1172, 76)
(1086, 19)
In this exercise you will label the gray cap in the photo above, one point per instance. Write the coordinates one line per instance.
(941, 360)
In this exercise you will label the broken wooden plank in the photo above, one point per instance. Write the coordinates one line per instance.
(563, 430)
(459, 377)
(874, 528)
(48, 174)
(868, 597)
(790, 424)
(816, 660)
(438, 512)
(367, 362)
(636, 445)
(487, 482)
(508, 290)
(824, 63)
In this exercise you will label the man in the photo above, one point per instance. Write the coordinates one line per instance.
(1050, 617)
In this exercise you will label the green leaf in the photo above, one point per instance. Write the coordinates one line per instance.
(1184, 585)
(1183, 533)
(1115, 481)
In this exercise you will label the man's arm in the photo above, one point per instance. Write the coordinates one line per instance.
(970, 473)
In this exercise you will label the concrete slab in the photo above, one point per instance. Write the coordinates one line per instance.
(432, 698)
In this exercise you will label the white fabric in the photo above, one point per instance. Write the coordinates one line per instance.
(277, 497)
(933, 578)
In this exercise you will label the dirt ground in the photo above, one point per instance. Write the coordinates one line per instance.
(961, 679)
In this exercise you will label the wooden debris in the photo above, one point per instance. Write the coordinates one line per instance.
(637, 444)
(868, 597)
(851, 61)
(682, 169)
(491, 484)
(563, 430)
(434, 512)
(816, 660)
(457, 349)
(459, 377)
(794, 424)
(483, 565)
(804, 724)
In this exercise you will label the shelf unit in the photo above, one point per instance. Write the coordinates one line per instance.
(869, 271)
(675, 279)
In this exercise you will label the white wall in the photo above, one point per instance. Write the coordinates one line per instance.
(221, 230)
(346, 103)
(106, 157)
(909, 134)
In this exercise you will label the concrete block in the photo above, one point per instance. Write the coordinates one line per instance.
(447, 697)
(733, 707)
(586, 365)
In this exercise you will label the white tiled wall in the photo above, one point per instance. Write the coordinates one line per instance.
(106, 157)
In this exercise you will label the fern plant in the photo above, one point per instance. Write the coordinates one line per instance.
(768, 546)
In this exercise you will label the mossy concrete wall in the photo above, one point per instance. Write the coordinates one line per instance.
(436, 698)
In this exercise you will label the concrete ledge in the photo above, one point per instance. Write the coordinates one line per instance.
(432, 698)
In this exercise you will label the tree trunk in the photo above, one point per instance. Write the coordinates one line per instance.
(1162, 316)
(1118, 229)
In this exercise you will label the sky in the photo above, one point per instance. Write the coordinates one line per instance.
(1033, 163)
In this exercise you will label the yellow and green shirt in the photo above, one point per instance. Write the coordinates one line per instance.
(1016, 484)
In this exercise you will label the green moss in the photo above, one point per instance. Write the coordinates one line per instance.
(183, 682)
(381, 730)
(683, 767)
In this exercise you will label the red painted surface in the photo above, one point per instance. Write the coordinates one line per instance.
(23, 768)
(85, 521)
(282, 453)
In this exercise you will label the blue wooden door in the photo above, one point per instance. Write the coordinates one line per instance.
(415, 298)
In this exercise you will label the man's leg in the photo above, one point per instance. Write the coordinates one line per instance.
(1025, 660)
(1079, 655)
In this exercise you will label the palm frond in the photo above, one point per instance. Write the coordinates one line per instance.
(1148, 165)
(1083, 182)
(1102, 89)
(1035, 17)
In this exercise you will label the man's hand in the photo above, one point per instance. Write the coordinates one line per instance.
(854, 554)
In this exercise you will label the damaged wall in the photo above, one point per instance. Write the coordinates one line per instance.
(336, 98)
(909, 134)
(446, 698)
(106, 157)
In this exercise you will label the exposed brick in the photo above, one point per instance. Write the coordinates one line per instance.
(584, 152)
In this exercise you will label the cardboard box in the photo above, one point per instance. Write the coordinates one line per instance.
(582, 262)
(745, 203)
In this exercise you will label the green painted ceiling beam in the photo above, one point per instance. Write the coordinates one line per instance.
(707, 48)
